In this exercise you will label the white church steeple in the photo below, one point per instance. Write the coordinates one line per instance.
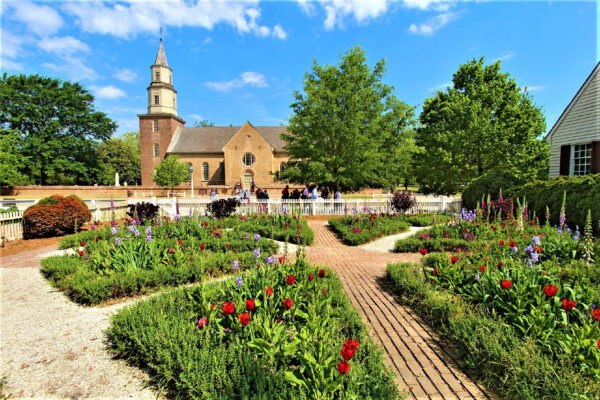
(162, 97)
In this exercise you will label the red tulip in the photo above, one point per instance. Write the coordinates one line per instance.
(228, 307)
(179, 242)
(344, 367)
(321, 273)
(538, 249)
(454, 259)
(506, 284)
(500, 263)
(512, 243)
(598, 343)
(501, 243)
(347, 352)
(80, 253)
(596, 314)
(311, 277)
(281, 260)
(550, 290)
(423, 251)
(244, 318)
(227, 244)
(568, 305)
(290, 279)
(250, 305)
(287, 303)
(482, 268)
(201, 246)
(436, 272)
(353, 344)
(82, 244)
(269, 291)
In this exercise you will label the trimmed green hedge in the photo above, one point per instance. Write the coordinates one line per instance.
(490, 183)
(583, 193)
(413, 244)
(356, 230)
(490, 348)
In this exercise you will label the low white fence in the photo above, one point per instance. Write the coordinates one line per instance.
(170, 206)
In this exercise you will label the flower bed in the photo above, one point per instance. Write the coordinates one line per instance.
(278, 332)
(285, 228)
(362, 228)
(124, 261)
(541, 282)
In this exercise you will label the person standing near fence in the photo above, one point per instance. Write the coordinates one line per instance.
(285, 193)
(213, 194)
(315, 193)
(305, 192)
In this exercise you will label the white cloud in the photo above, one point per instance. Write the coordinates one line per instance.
(533, 88)
(73, 67)
(196, 117)
(12, 44)
(10, 65)
(108, 92)
(65, 45)
(39, 19)
(249, 78)
(207, 40)
(126, 20)
(504, 57)
(126, 75)
(362, 11)
(307, 6)
(279, 33)
(429, 27)
(439, 87)
(437, 5)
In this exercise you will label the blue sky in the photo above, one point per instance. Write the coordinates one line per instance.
(238, 61)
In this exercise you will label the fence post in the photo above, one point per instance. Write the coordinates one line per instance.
(443, 204)
(268, 206)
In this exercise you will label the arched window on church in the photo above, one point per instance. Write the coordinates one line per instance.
(281, 167)
(155, 126)
(155, 149)
(205, 171)
(156, 99)
(222, 171)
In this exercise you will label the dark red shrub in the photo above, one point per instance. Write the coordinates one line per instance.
(403, 201)
(55, 216)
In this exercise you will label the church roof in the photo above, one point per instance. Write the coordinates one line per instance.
(161, 57)
(212, 139)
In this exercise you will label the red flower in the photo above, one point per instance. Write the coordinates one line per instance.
(324, 291)
(423, 251)
(493, 227)
(596, 314)
(281, 260)
(500, 263)
(321, 273)
(250, 305)
(598, 343)
(347, 352)
(171, 250)
(512, 243)
(179, 242)
(454, 259)
(244, 318)
(482, 268)
(311, 277)
(506, 284)
(550, 290)
(82, 244)
(269, 291)
(538, 249)
(501, 243)
(201, 246)
(227, 244)
(569, 304)
(290, 279)
(436, 272)
(353, 344)
(344, 367)
(218, 226)
(80, 253)
(228, 307)
(287, 303)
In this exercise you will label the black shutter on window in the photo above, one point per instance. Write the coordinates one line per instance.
(565, 159)
(595, 157)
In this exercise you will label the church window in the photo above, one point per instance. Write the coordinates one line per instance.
(222, 171)
(248, 159)
(155, 149)
(205, 171)
(155, 125)
(157, 76)
(281, 167)
(156, 99)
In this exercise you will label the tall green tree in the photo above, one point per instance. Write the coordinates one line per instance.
(484, 121)
(11, 160)
(121, 155)
(346, 127)
(58, 127)
(171, 172)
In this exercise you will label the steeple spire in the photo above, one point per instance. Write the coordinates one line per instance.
(161, 57)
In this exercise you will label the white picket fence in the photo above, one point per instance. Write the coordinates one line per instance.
(169, 206)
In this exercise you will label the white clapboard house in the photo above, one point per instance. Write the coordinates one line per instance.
(575, 138)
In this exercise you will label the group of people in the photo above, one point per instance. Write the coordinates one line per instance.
(309, 192)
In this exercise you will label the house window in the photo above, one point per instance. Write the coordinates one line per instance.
(582, 159)
(248, 159)
(281, 167)
(222, 171)
(204, 171)
(157, 76)
(155, 125)
(155, 149)
(156, 99)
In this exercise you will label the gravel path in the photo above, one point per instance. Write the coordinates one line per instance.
(386, 244)
(51, 347)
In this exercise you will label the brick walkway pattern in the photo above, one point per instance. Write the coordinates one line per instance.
(425, 367)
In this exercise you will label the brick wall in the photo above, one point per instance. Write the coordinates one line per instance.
(166, 127)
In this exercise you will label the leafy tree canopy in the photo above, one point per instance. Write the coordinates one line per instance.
(347, 129)
(483, 122)
(122, 155)
(57, 125)
(171, 172)
(204, 122)
(11, 160)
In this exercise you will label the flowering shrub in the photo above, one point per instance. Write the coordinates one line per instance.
(264, 338)
(290, 228)
(53, 216)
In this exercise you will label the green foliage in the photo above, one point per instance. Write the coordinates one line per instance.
(11, 159)
(204, 123)
(582, 195)
(57, 126)
(170, 172)
(347, 129)
(483, 122)
(121, 155)
(490, 183)
(10, 209)
(280, 354)
(362, 228)
(285, 228)
(491, 349)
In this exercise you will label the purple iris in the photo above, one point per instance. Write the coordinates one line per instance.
(256, 238)
(536, 240)
(238, 281)
(118, 241)
(235, 264)
(535, 257)
(528, 250)
(257, 253)
(515, 250)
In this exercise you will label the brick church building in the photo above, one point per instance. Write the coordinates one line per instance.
(221, 156)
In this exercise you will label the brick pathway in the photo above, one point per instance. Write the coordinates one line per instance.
(425, 367)
(25, 259)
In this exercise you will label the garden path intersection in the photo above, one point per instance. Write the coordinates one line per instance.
(54, 348)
